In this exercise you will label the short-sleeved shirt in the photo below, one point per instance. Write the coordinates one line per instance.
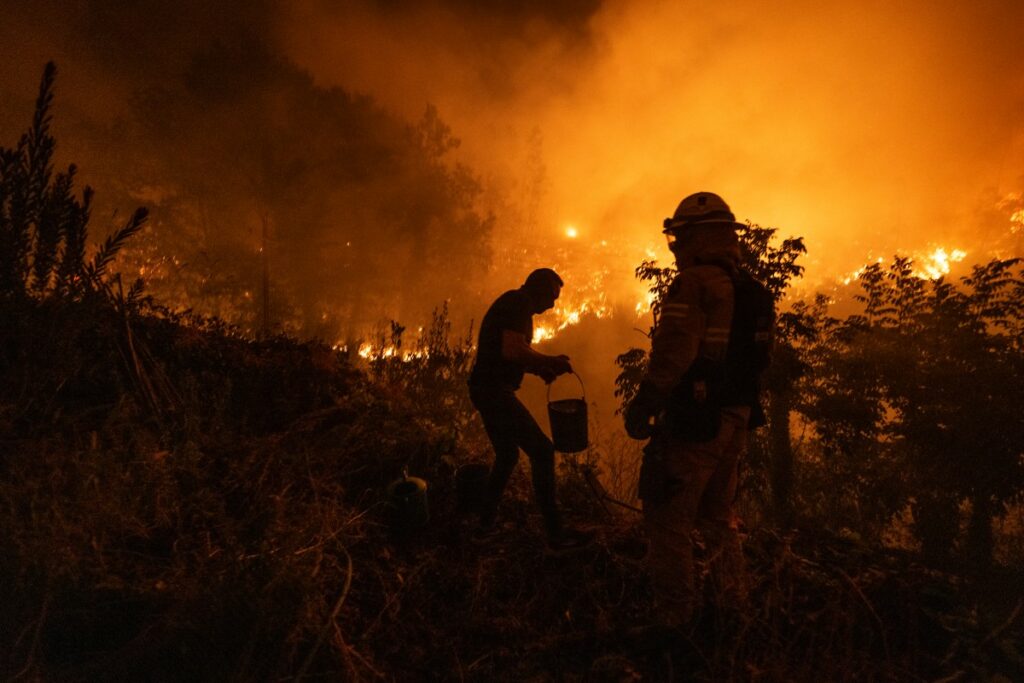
(510, 311)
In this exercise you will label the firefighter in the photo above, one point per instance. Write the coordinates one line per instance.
(700, 388)
(503, 357)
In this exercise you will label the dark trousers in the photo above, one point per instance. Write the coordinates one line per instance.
(510, 426)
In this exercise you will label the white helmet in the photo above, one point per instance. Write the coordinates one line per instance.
(700, 208)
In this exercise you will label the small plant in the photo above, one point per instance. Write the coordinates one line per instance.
(43, 227)
(57, 302)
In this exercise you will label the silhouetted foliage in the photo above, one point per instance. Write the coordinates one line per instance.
(179, 502)
(918, 397)
(363, 210)
(431, 372)
(43, 227)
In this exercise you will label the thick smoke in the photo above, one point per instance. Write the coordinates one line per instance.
(867, 128)
(362, 214)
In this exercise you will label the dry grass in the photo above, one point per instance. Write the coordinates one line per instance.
(243, 536)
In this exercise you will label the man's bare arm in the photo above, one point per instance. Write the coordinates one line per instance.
(514, 347)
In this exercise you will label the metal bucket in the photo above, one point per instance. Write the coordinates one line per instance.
(568, 418)
(407, 503)
(470, 483)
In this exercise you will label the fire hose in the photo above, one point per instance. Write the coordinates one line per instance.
(599, 491)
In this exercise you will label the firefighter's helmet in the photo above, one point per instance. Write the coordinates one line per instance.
(699, 209)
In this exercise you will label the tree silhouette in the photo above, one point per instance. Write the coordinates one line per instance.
(916, 400)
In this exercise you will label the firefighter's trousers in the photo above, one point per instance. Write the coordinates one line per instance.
(703, 477)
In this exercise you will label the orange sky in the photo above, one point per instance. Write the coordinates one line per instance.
(868, 128)
(865, 127)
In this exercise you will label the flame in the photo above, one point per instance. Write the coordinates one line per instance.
(542, 333)
(565, 316)
(929, 266)
(855, 275)
(937, 263)
(643, 307)
(370, 352)
(571, 232)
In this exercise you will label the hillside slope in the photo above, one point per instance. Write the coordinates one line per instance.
(177, 503)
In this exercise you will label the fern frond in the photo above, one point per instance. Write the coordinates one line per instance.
(69, 274)
(135, 292)
(39, 146)
(58, 208)
(113, 244)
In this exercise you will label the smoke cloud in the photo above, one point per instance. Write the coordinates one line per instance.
(866, 128)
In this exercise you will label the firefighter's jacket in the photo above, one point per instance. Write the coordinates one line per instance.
(695, 319)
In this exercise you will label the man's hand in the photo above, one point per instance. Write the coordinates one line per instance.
(638, 420)
(639, 412)
(560, 365)
(553, 367)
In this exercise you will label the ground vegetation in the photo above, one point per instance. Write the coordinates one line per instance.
(179, 501)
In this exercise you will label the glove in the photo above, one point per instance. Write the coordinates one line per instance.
(639, 412)
(638, 420)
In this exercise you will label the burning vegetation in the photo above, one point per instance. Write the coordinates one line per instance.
(201, 497)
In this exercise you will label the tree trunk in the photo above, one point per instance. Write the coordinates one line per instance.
(781, 457)
(936, 522)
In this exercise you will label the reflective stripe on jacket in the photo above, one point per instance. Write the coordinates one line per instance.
(695, 320)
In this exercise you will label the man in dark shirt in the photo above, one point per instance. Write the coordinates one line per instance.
(503, 357)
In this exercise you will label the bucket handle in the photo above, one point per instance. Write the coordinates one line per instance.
(578, 379)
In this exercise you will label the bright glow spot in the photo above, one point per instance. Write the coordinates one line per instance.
(644, 307)
(937, 263)
(567, 315)
(1017, 222)
(855, 275)
(571, 232)
(371, 353)
(927, 267)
